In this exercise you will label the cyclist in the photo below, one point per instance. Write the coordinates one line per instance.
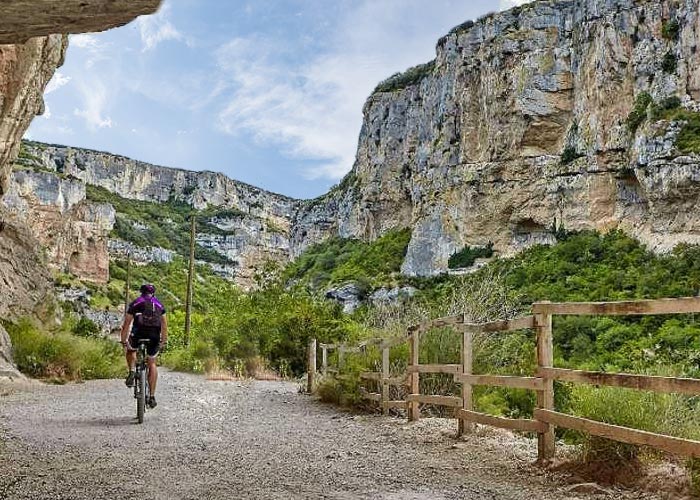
(147, 315)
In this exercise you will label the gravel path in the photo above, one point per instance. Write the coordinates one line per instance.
(216, 440)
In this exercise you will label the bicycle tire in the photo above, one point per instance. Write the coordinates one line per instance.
(141, 399)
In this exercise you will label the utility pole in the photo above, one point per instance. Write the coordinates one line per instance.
(127, 285)
(190, 283)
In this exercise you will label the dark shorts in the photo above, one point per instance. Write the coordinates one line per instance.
(152, 347)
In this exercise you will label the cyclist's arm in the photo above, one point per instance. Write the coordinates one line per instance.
(126, 327)
(164, 329)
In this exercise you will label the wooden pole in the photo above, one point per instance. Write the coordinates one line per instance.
(385, 379)
(324, 358)
(467, 361)
(127, 285)
(341, 356)
(545, 397)
(190, 282)
(414, 377)
(311, 371)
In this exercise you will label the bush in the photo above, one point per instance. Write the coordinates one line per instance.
(468, 255)
(62, 356)
(670, 29)
(664, 413)
(337, 260)
(669, 63)
(568, 155)
(411, 76)
(639, 112)
(85, 327)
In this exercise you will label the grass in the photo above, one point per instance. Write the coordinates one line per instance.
(63, 356)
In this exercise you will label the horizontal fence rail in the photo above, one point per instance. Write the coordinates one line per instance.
(545, 418)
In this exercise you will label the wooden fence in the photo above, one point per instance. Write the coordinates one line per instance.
(545, 418)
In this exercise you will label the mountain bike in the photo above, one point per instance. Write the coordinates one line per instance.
(141, 389)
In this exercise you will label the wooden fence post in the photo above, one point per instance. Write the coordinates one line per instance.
(311, 374)
(414, 377)
(385, 379)
(324, 358)
(467, 366)
(341, 356)
(545, 397)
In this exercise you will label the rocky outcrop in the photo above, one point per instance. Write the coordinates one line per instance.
(25, 285)
(25, 19)
(72, 231)
(519, 127)
(25, 69)
(251, 225)
(138, 180)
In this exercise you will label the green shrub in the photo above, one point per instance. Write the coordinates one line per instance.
(337, 260)
(670, 29)
(669, 63)
(166, 225)
(85, 327)
(411, 76)
(639, 112)
(664, 413)
(468, 255)
(568, 155)
(63, 356)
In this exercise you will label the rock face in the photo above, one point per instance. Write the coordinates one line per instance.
(25, 70)
(142, 181)
(30, 52)
(25, 287)
(73, 231)
(254, 227)
(519, 127)
(25, 19)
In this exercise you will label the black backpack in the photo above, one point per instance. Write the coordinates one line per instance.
(151, 317)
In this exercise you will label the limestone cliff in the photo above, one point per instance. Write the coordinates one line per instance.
(72, 231)
(30, 52)
(247, 225)
(521, 125)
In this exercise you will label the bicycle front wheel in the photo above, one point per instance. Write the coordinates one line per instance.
(141, 399)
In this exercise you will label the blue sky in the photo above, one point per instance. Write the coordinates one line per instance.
(269, 92)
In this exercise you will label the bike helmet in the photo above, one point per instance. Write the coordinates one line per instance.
(147, 289)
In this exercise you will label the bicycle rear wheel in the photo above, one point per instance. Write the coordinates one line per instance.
(141, 399)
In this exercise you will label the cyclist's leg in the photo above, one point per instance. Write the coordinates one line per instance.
(152, 374)
(152, 351)
(130, 361)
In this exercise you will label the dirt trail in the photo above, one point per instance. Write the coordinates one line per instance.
(216, 440)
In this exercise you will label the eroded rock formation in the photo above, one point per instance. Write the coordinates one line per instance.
(519, 127)
(21, 20)
(30, 52)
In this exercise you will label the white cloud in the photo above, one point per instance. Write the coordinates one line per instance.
(58, 81)
(313, 110)
(157, 28)
(507, 4)
(94, 96)
(84, 41)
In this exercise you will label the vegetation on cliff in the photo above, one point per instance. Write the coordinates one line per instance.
(341, 259)
(164, 225)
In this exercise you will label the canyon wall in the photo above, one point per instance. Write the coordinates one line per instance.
(520, 127)
(248, 225)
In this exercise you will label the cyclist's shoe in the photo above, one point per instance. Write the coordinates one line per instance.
(152, 402)
(130, 379)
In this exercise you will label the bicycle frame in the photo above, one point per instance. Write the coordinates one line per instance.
(141, 388)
